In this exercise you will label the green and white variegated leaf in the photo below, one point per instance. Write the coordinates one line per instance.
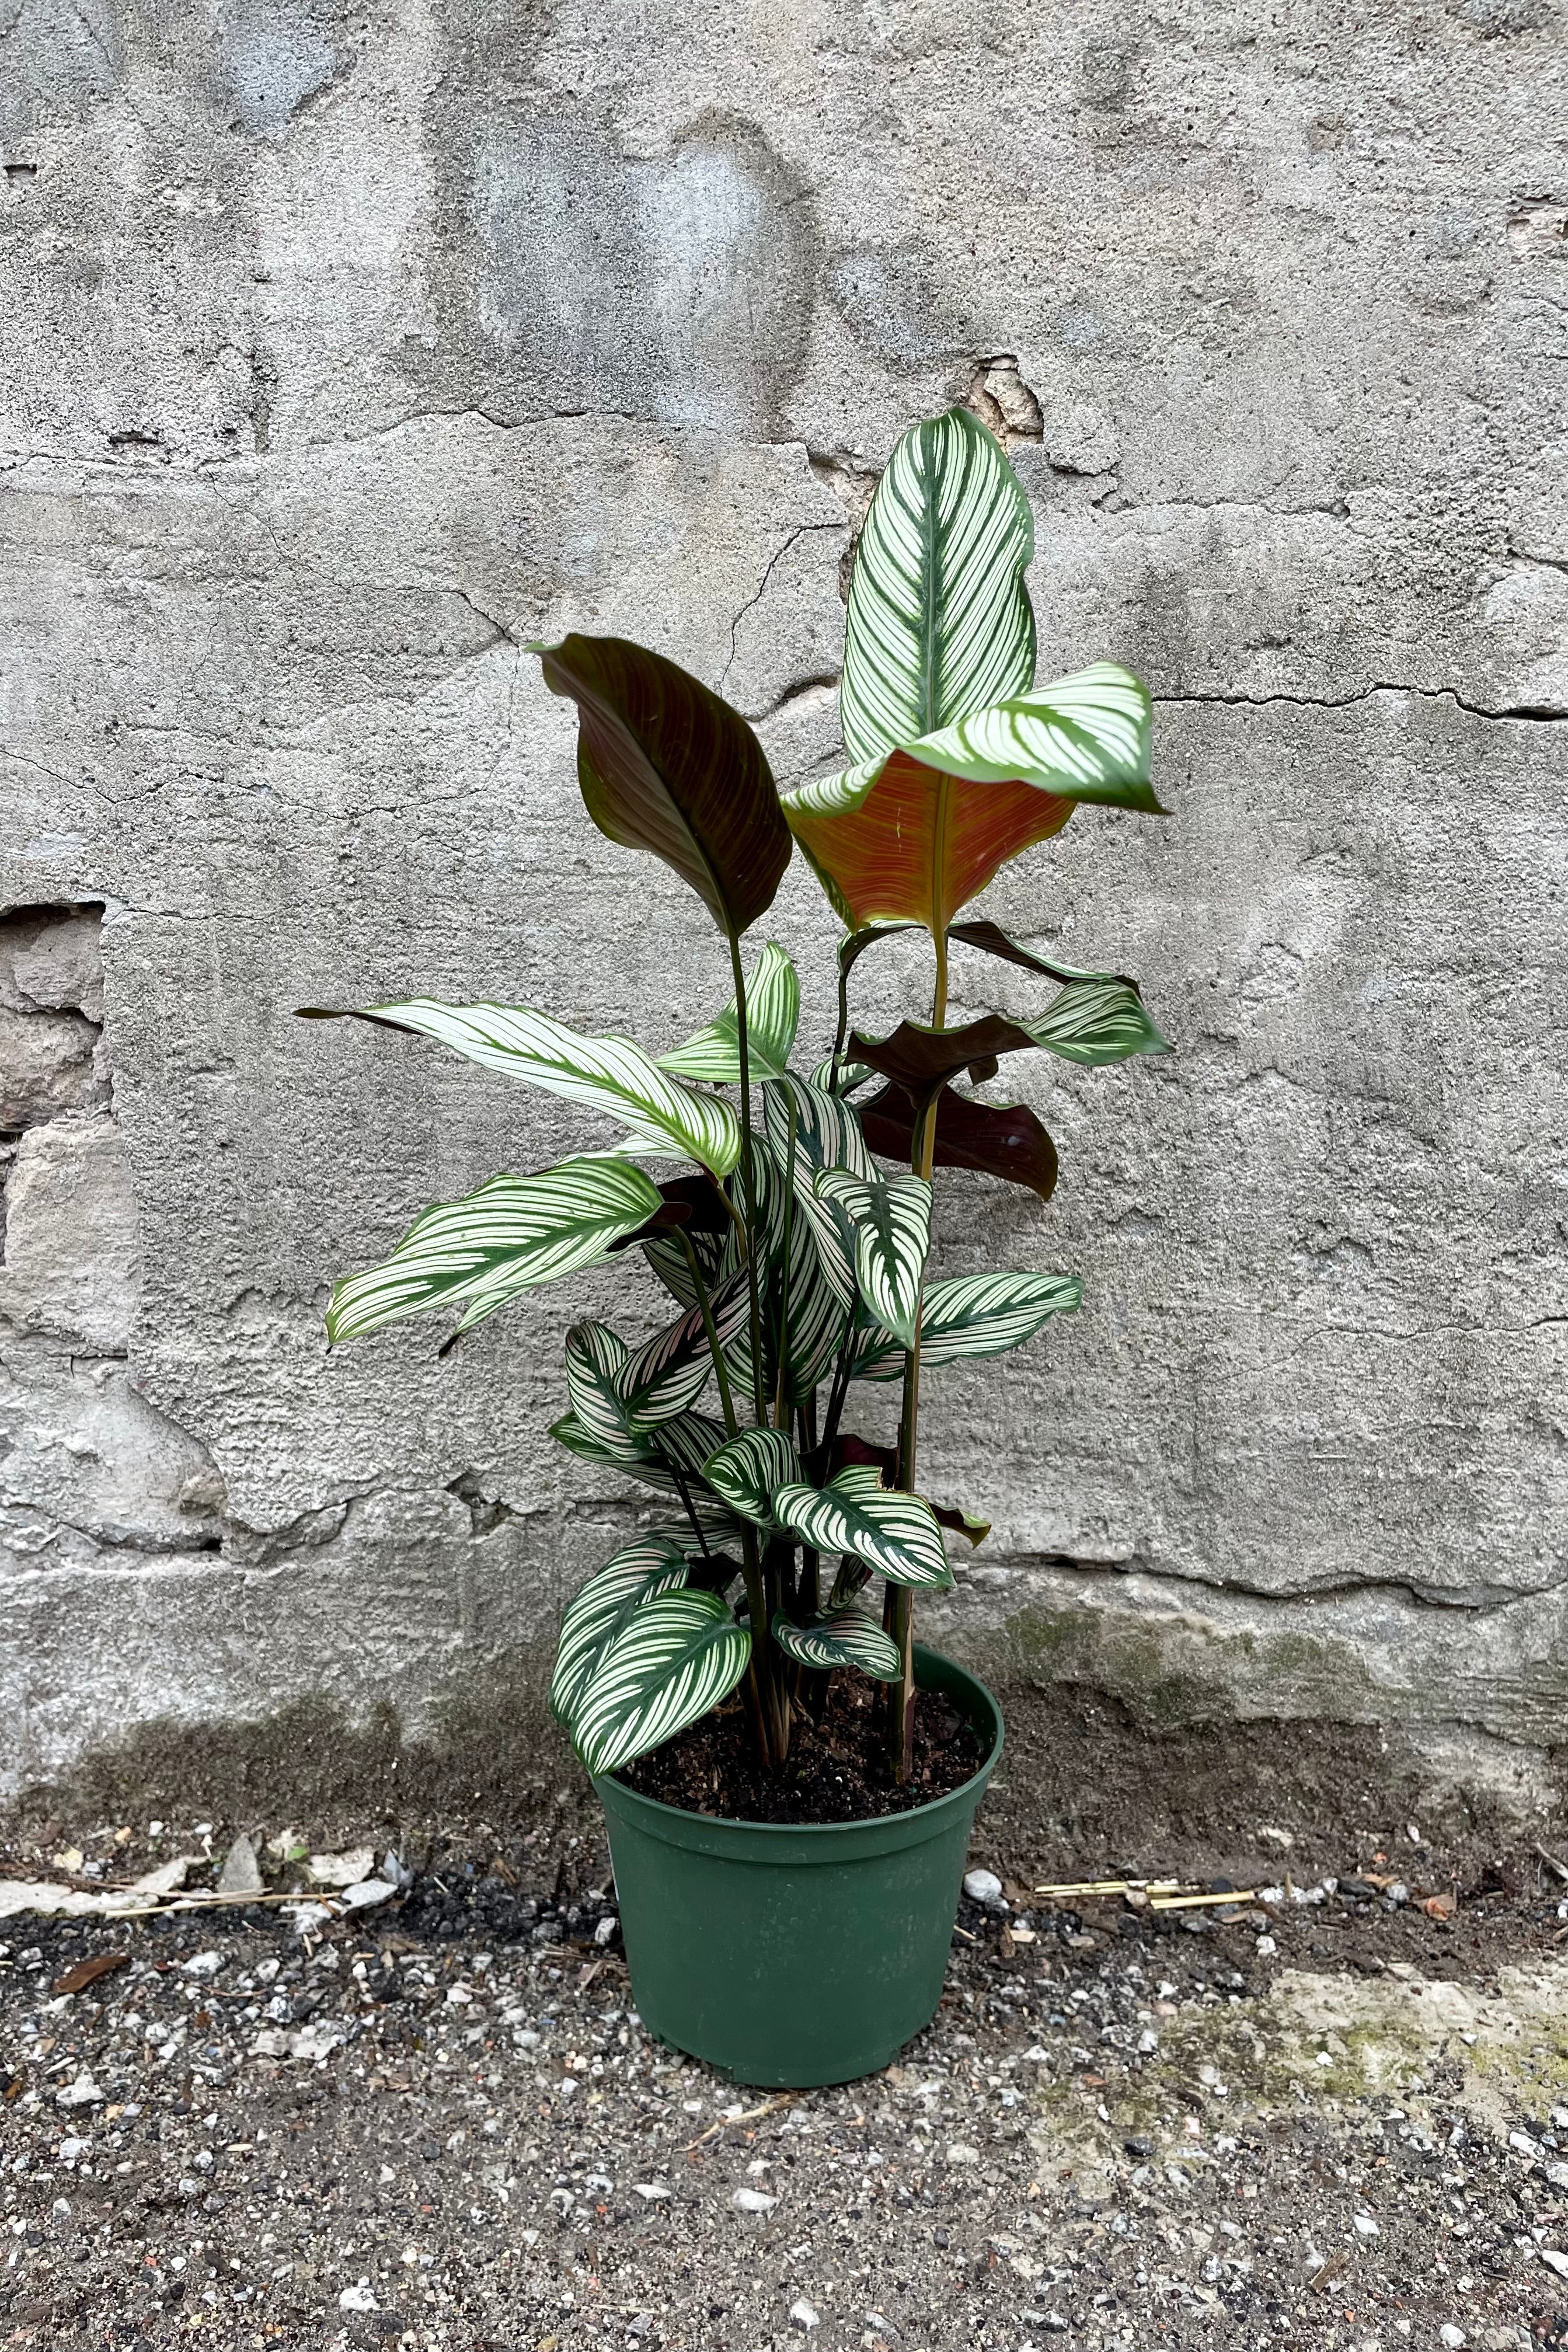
(971, 1315)
(938, 622)
(826, 1134)
(688, 1444)
(1084, 738)
(634, 1456)
(895, 1534)
(773, 1016)
(671, 1660)
(720, 1530)
(851, 1638)
(513, 1234)
(608, 1074)
(716, 1255)
(593, 1618)
(815, 1311)
(851, 1075)
(746, 1469)
(1097, 1019)
(892, 1238)
(594, 1356)
(668, 1375)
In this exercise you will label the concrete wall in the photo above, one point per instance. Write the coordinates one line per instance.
(341, 351)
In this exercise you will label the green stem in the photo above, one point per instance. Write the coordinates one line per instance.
(899, 1613)
(726, 1401)
(780, 1410)
(749, 1185)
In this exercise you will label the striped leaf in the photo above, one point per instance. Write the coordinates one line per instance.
(657, 1466)
(895, 1534)
(607, 1074)
(715, 1254)
(595, 1615)
(1099, 1018)
(673, 1659)
(688, 1444)
(513, 1234)
(912, 833)
(665, 764)
(826, 1134)
(807, 1300)
(773, 1016)
(938, 622)
(633, 1456)
(594, 1356)
(971, 1315)
(892, 1237)
(746, 1471)
(850, 1638)
(668, 1375)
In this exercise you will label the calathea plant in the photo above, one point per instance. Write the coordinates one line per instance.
(794, 1245)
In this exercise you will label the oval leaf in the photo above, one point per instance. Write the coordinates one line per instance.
(594, 1357)
(938, 622)
(666, 765)
(895, 1534)
(594, 1615)
(998, 1140)
(513, 1234)
(850, 1638)
(673, 1659)
(746, 1470)
(971, 1315)
(892, 1238)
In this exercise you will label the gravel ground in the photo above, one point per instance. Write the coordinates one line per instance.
(439, 2124)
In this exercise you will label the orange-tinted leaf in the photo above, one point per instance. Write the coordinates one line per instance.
(922, 843)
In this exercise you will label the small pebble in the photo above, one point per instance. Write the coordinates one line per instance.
(981, 1885)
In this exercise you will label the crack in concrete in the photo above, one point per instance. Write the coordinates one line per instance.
(1537, 715)
(1476, 1600)
(773, 561)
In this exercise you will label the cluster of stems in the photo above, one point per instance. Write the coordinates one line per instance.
(776, 1576)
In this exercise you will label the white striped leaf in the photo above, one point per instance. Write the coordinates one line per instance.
(826, 1134)
(593, 1618)
(850, 1638)
(595, 1355)
(686, 1443)
(634, 1456)
(773, 1016)
(895, 1534)
(716, 1255)
(1084, 738)
(513, 1234)
(608, 1074)
(671, 1660)
(809, 1302)
(1098, 1018)
(850, 1075)
(938, 622)
(971, 1315)
(667, 1375)
(747, 1469)
(893, 1237)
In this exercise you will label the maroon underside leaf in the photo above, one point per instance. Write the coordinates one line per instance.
(691, 1201)
(998, 1139)
(993, 940)
(668, 766)
(920, 1060)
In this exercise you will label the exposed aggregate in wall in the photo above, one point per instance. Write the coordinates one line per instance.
(345, 351)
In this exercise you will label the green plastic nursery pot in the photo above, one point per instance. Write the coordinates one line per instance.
(790, 1955)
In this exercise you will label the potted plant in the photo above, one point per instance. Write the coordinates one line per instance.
(788, 1778)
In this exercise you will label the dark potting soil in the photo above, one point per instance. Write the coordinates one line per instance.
(837, 1769)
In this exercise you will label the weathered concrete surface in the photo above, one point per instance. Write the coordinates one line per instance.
(344, 353)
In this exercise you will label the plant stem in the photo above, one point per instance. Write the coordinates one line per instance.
(899, 1615)
(749, 1185)
(780, 1410)
(726, 1401)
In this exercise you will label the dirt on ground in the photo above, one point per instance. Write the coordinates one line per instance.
(1330, 2109)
